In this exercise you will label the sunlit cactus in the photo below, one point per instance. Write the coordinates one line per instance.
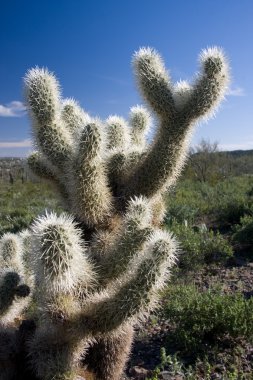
(95, 274)
(59, 255)
(139, 120)
(117, 133)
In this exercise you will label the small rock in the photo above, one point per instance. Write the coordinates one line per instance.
(139, 373)
(165, 375)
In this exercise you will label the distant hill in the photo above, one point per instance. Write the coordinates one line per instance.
(233, 153)
(222, 164)
(238, 153)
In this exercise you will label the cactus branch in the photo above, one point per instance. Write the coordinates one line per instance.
(128, 242)
(166, 155)
(90, 195)
(131, 300)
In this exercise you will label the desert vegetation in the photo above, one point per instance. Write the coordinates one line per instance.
(203, 328)
(74, 286)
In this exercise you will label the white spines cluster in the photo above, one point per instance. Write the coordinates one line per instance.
(211, 84)
(90, 193)
(128, 241)
(43, 97)
(181, 94)
(43, 94)
(74, 116)
(154, 81)
(117, 133)
(139, 120)
(59, 254)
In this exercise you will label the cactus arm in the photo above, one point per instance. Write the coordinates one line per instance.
(74, 116)
(210, 86)
(90, 193)
(133, 298)
(117, 133)
(166, 155)
(41, 168)
(127, 243)
(154, 82)
(116, 161)
(59, 255)
(43, 98)
(62, 268)
(124, 156)
(139, 120)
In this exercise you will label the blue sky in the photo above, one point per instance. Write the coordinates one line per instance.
(89, 45)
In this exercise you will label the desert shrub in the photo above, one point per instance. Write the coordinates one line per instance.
(177, 367)
(231, 200)
(200, 246)
(243, 232)
(188, 201)
(232, 209)
(181, 213)
(222, 204)
(200, 318)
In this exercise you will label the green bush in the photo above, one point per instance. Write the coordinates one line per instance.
(199, 318)
(243, 232)
(200, 246)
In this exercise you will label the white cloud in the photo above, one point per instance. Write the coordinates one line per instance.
(12, 109)
(27, 143)
(236, 91)
(245, 145)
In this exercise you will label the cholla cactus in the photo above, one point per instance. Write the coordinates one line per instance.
(95, 275)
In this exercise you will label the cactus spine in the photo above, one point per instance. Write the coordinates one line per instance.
(96, 275)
